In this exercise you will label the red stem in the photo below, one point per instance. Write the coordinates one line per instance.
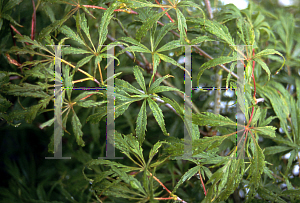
(202, 183)
(14, 41)
(254, 89)
(33, 21)
(166, 12)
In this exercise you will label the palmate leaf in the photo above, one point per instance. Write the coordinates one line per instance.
(155, 62)
(95, 162)
(158, 115)
(40, 71)
(33, 111)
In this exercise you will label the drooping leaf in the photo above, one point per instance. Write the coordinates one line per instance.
(141, 122)
(139, 77)
(164, 30)
(158, 115)
(105, 20)
(190, 173)
(90, 103)
(76, 124)
(71, 34)
(207, 118)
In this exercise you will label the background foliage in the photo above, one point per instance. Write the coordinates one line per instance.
(149, 108)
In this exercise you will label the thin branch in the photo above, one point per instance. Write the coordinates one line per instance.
(166, 12)
(207, 4)
(117, 10)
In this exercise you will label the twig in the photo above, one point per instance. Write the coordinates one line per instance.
(18, 32)
(14, 41)
(166, 12)
(117, 10)
(207, 4)
(33, 21)
(202, 182)
(174, 197)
